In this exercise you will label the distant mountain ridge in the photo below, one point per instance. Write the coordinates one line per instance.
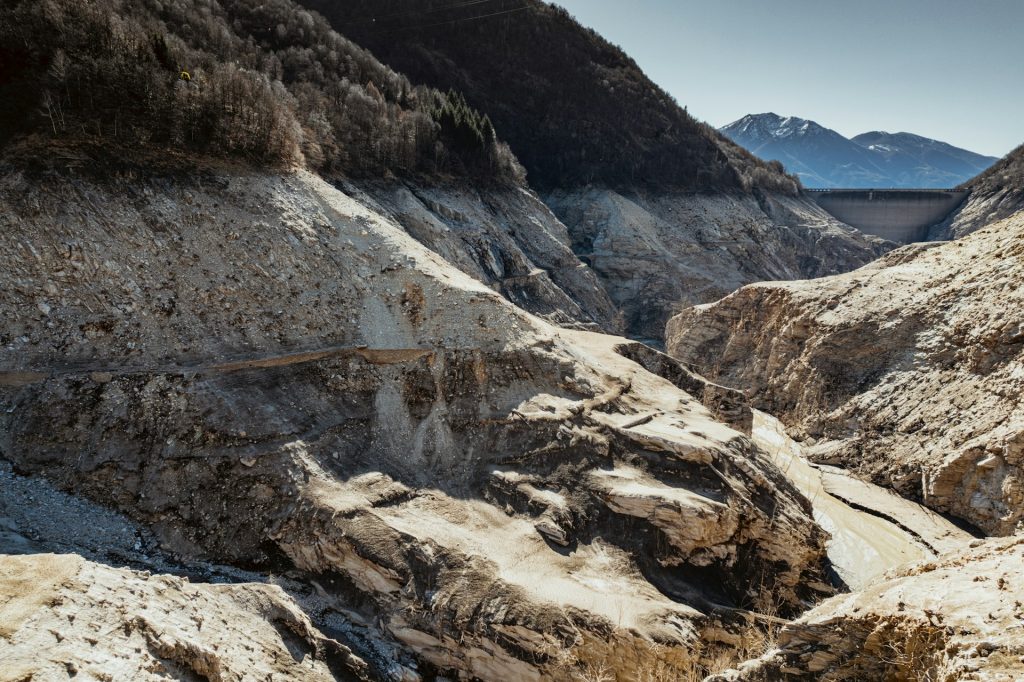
(823, 158)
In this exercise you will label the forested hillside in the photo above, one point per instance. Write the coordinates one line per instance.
(995, 194)
(1006, 175)
(575, 108)
(265, 80)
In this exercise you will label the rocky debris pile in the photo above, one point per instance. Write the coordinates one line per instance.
(62, 616)
(263, 371)
(907, 371)
(957, 618)
(658, 252)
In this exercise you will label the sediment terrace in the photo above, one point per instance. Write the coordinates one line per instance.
(899, 215)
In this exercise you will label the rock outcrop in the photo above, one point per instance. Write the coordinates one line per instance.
(659, 252)
(958, 618)
(504, 237)
(871, 529)
(907, 371)
(265, 372)
(62, 617)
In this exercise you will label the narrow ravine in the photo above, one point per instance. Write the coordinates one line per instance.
(860, 516)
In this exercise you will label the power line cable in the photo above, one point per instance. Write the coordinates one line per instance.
(415, 12)
(455, 21)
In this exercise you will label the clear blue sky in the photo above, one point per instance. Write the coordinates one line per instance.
(953, 71)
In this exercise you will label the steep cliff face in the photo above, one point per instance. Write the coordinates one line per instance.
(657, 253)
(265, 371)
(907, 371)
(505, 237)
(958, 618)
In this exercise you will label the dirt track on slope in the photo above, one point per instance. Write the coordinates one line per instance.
(106, 372)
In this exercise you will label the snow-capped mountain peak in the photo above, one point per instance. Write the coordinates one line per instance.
(824, 158)
(771, 125)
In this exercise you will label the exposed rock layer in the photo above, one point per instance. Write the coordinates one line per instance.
(62, 617)
(957, 618)
(908, 371)
(620, 262)
(266, 372)
(504, 237)
(871, 529)
(660, 252)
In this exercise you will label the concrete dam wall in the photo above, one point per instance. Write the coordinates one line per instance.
(899, 215)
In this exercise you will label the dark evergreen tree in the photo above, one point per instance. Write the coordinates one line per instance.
(264, 80)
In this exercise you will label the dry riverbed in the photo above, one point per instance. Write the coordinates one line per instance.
(873, 530)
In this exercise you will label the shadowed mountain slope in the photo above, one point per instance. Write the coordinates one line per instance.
(575, 108)
(917, 162)
(265, 81)
(664, 209)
